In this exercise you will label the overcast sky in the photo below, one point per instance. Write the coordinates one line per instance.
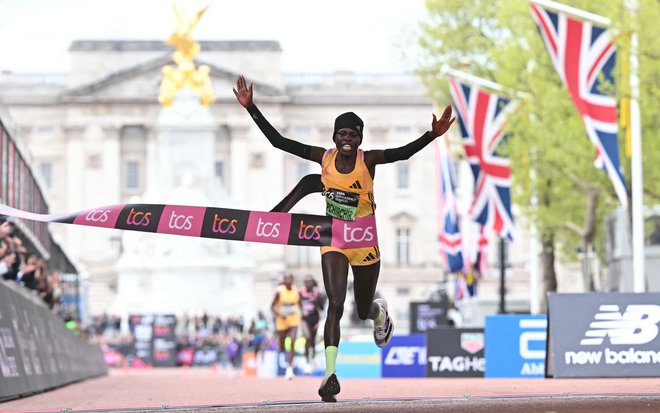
(317, 36)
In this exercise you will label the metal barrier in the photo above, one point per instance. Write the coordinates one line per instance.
(37, 351)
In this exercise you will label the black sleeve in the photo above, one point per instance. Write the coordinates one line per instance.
(274, 137)
(309, 184)
(405, 152)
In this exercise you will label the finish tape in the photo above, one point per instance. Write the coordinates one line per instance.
(221, 223)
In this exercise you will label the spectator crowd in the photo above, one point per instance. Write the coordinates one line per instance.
(200, 340)
(28, 269)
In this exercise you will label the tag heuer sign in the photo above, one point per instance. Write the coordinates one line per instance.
(604, 335)
(455, 352)
(472, 342)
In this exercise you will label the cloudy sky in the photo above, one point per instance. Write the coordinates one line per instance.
(317, 36)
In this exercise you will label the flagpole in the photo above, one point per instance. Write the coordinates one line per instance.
(502, 276)
(446, 70)
(553, 5)
(534, 297)
(637, 175)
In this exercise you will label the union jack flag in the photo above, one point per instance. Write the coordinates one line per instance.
(584, 57)
(451, 244)
(481, 117)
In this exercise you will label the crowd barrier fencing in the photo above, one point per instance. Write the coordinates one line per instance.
(37, 351)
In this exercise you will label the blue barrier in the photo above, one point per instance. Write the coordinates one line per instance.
(405, 356)
(515, 345)
(358, 360)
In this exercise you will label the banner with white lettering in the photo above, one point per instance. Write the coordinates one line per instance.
(164, 341)
(515, 345)
(455, 352)
(221, 223)
(604, 335)
(405, 356)
(428, 315)
(141, 328)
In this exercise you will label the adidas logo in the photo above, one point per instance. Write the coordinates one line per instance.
(356, 185)
(369, 258)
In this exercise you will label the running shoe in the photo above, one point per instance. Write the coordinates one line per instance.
(329, 388)
(288, 375)
(383, 333)
(308, 369)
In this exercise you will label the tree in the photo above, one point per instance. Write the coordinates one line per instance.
(552, 158)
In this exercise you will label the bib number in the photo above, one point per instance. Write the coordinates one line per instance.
(341, 204)
(287, 310)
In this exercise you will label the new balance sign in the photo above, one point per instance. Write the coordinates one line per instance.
(604, 335)
(638, 324)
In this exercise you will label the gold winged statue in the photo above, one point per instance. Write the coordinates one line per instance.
(185, 74)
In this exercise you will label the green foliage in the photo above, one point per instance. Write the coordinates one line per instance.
(552, 157)
(461, 33)
(648, 32)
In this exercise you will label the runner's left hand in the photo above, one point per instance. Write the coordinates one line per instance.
(440, 126)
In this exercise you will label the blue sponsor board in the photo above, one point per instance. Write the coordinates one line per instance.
(357, 360)
(405, 356)
(515, 345)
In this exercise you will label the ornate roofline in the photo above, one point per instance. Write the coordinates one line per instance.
(160, 45)
(153, 65)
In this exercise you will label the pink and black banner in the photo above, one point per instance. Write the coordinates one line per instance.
(230, 224)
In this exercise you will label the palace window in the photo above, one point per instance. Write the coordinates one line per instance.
(402, 175)
(403, 246)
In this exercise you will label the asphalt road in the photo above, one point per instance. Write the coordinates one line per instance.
(206, 390)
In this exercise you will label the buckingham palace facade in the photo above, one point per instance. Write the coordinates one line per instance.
(92, 136)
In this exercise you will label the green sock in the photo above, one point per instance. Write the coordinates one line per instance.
(330, 359)
(380, 320)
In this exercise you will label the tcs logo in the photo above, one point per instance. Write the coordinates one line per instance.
(223, 225)
(358, 234)
(97, 215)
(180, 221)
(138, 218)
(309, 232)
(226, 223)
(268, 229)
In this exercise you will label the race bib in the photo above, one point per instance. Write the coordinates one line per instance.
(308, 307)
(341, 204)
(288, 309)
